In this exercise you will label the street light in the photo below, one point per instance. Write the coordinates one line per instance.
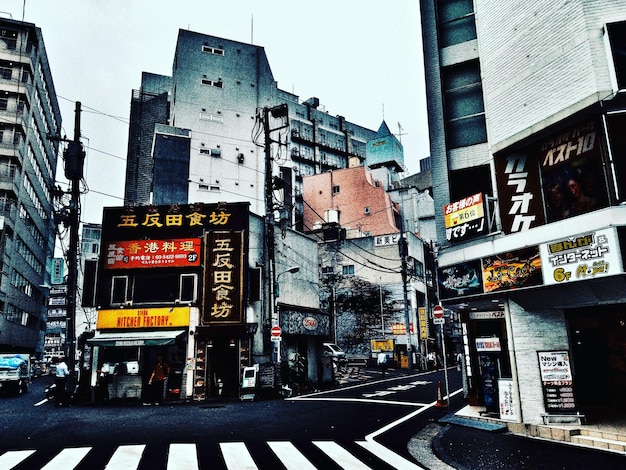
(276, 320)
(293, 269)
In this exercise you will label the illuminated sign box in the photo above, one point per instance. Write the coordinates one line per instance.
(465, 218)
(135, 318)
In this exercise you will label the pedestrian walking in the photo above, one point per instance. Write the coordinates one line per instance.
(157, 380)
(382, 362)
(60, 382)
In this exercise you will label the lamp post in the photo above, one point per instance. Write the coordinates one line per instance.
(276, 319)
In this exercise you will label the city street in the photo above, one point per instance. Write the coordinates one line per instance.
(358, 426)
(368, 424)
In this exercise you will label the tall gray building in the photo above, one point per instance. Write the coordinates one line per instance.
(29, 113)
(208, 145)
(527, 113)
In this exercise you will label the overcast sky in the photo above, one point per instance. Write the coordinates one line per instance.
(361, 58)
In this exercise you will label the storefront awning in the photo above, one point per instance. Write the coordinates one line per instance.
(136, 338)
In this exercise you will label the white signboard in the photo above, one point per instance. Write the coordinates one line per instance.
(586, 256)
(508, 406)
(491, 344)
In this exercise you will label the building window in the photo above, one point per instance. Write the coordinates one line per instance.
(213, 50)
(217, 84)
(464, 105)
(348, 270)
(119, 290)
(456, 22)
(327, 270)
(617, 40)
(336, 189)
(188, 287)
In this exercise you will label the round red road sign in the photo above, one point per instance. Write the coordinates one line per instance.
(438, 311)
(275, 331)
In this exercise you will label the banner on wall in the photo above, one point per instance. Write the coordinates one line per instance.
(585, 256)
(512, 270)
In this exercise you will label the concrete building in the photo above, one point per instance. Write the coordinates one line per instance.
(213, 104)
(29, 114)
(526, 115)
(188, 285)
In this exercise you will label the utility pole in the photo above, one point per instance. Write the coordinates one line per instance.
(404, 248)
(269, 227)
(277, 112)
(74, 157)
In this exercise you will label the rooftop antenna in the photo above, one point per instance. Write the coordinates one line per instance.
(252, 29)
(400, 133)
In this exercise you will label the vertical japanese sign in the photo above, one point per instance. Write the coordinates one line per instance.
(508, 406)
(556, 377)
(585, 256)
(223, 283)
(423, 321)
(517, 176)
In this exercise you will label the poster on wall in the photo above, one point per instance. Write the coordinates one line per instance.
(571, 172)
(460, 279)
(585, 256)
(557, 381)
(512, 270)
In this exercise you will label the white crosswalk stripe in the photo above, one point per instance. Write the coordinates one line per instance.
(290, 457)
(182, 457)
(13, 458)
(341, 456)
(67, 459)
(236, 456)
(127, 457)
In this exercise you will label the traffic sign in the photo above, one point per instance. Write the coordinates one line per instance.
(438, 318)
(276, 331)
(438, 311)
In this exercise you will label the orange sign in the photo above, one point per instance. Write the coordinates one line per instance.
(134, 318)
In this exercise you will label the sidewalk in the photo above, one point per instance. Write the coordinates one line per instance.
(467, 441)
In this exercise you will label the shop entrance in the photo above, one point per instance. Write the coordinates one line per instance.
(598, 339)
(223, 367)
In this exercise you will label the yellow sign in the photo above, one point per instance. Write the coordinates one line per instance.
(381, 345)
(135, 318)
(423, 323)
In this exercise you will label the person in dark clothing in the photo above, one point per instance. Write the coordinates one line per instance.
(157, 380)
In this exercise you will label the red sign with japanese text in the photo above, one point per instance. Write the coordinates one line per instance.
(129, 254)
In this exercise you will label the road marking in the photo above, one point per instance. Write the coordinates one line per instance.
(67, 458)
(389, 456)
(39, 403)
(290, 457)
(182, 456)
(126, 457)
(341, 456)
(12, 458)
(236, 456)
